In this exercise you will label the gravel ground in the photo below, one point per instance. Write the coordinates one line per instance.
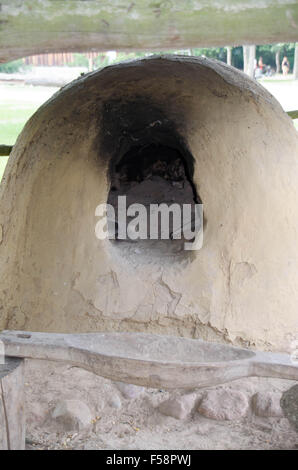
(119, 422)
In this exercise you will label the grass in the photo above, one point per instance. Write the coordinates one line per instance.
(12, 120)
(19, 102)
(3, 161)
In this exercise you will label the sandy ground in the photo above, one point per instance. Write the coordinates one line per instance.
(121, 423)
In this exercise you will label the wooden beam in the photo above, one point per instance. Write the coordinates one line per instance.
(150, 360)
(37, 26)
(5, 150)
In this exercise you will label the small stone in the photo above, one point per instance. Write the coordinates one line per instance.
(289, 405)
(72, 415)
(115, 402)
(224, 404)
(179, 407)
(267, 405)
(129, 391)
(36, 414)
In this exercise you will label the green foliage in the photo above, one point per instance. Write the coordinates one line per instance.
(79, 60)
(276, 47)
(12, 67)
(237, 57)
(268, 53)
(102, 60)
(219, 53)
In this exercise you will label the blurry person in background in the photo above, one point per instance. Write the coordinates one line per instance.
(260, 63)
(285, 65)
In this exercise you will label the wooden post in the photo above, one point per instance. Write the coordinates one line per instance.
(31, 27)
(277, 60)
(295, 69)
(249, 54)
(12, 404)
(5, 150)
(229, 55)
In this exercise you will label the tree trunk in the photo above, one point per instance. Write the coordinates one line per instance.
(245, 58)
(295, 71)
(90, 64)
(277, 61)
(12, 415)
(229, 55)
(249, 55)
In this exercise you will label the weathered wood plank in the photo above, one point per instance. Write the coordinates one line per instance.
(5, 150)
(150, 360)
(35, 26)
(12, 399)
